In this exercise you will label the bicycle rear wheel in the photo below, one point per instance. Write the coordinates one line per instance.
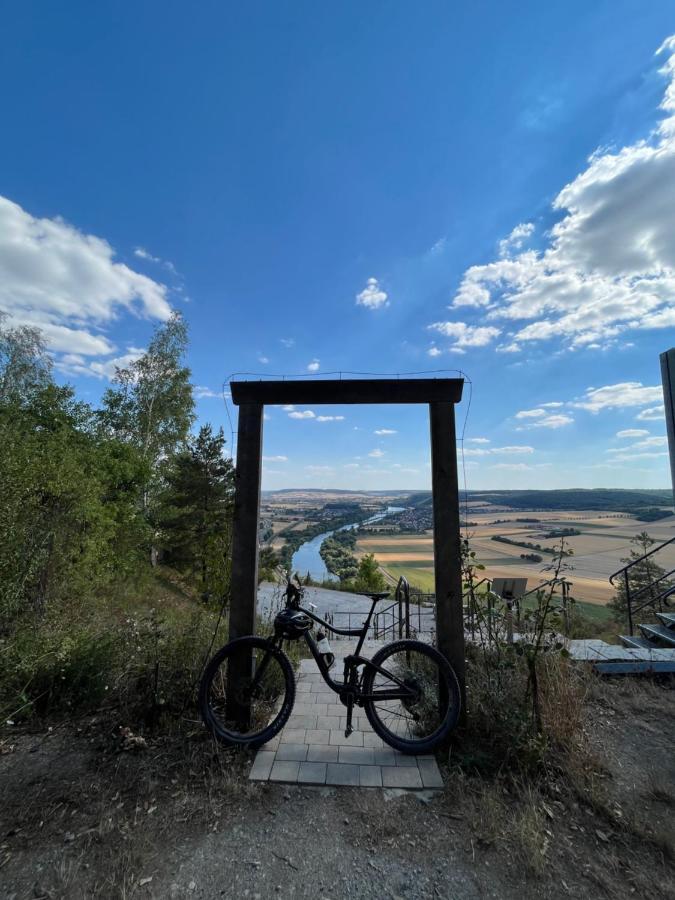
(422, 721)
(247, 692)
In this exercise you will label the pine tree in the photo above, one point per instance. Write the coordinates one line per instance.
(196, 510)
(643, 579)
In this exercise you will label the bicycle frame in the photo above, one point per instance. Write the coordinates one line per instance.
(349, 687)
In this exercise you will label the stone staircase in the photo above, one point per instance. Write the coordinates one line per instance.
(651, 652)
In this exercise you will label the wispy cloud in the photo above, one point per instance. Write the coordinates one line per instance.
(330, 418)
(382, 431)
(142, 253)
(377, 454)
(275, 459)
(540, 417)
(304, 414)
(201, 391)
(653, 414)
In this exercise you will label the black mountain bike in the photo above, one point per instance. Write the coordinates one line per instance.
(408, 690)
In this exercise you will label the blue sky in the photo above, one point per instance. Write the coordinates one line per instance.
(367, 187)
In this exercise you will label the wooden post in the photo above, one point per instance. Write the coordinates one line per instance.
(447, 549)
(244, 579)
(668, 381)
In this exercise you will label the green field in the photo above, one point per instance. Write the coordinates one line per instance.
(400, 546)
(422, 577)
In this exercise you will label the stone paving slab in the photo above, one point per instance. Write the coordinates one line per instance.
(312, 747)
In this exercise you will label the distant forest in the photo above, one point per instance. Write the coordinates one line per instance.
(646, 505)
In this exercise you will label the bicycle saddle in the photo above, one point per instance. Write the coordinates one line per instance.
(375, 595)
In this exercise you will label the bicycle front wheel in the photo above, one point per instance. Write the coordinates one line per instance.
(421, 719)
(247, 692)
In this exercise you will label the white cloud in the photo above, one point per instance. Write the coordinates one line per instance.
(479, 440)
(200, 391)
(142, 253)
(653, 414)
(543, 418)
(512, 449)
(530, 413)
(656, 441)
(305, 414)
(632, 433)
(263, 359)
(466, 335)
(67, 283)
(376, 453)
(288, 408)
(609, 264)
(628, 455)
(76, 364)
(385, 431)
(516, 239)
(287, 342)
(372, 296)
(434, 351)
(314, 365)
(618, 396)
(330, 418)
(482, 451)
(512, 467)
(557, 421)
(275, 459)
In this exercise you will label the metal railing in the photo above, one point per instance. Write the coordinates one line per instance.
(400, 620)
(660, 597)
(493, 616)
(471, 604)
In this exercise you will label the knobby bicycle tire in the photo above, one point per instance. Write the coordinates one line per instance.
(447, 673)
(212, 721)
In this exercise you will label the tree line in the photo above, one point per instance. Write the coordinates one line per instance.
(115, 519)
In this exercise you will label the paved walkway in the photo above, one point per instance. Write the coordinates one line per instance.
(312, 747)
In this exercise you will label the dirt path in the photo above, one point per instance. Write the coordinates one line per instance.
(85, 813)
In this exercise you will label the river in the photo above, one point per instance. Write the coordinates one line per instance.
(308, 559)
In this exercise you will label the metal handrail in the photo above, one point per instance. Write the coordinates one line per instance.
(640, 559)
(629, 599)
(471, 594)
(650, 601)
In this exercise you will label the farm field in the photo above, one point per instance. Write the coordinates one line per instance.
(597, 551)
